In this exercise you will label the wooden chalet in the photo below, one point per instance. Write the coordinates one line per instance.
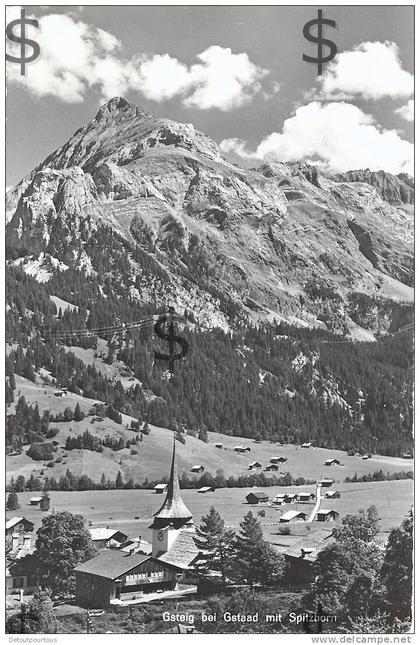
(300, 557)
(257, 497)
(197, 469)
(327, 516)
(255, 465)
(106, 538)
(332, 494)
(272, 467)
(293, 516)
(206, 489)
(332, 462)
(161, 488)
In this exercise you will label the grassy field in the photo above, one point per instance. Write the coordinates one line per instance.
(131, 511)
(154, 453)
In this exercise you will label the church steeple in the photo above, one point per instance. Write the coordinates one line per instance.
(173, 511)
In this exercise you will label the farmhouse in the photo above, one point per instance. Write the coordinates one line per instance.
(197, 469)
(34, 501)
(17, 530)
(254, 466)
(305, 497)
(257, 497)
(161, 488)
(106, 538)
(327, 516)
(326, 482)
(307, 444)
(137, 545)
(293, 516)
(242, 449)
(116, 577)
(332, 494)
(206, 489)
(333, 462)
(18, 546)
(301, 556)
(272, 467)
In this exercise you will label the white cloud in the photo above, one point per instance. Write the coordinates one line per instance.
(223, 80)
(371, 70)
(75, 57)
(336, 136)
(406, 111)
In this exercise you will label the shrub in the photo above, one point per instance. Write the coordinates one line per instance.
(50, 464)
(285, 530)
(41, 451)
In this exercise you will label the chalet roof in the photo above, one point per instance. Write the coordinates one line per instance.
(173, 508)
(161, 486)
(182, 552)
(305, 494)
(112, 563)
(139, 545)
(105, 534)
(307, 444)
(16, 520)
(37, 498)
(333, 460)
(205, 489)
(311, 545)
(290, 515)
(327, 512)
(330, 493)
(259, 494)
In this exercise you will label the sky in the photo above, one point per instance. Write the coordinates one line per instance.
(235, 72)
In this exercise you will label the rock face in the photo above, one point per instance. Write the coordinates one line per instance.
(393, 189)
(280, 240)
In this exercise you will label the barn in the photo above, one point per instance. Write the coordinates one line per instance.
(254, 466)
(293, 516)
(219, 445)
(327, 516)
(106, 538)
(305, 497)
(161, 488)
(307, 444)
(332, 494)
(326, 482)
(333, 462)
(34, 501)
(206, 489)
(197, 469)
(272, 467)
(257, 497)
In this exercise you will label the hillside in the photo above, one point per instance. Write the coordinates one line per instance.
(293, 290)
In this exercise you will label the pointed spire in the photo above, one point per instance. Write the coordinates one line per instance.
(173, 510)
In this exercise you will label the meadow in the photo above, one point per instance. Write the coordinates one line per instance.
(131, 511)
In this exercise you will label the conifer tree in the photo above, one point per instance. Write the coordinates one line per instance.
(45, 502)
(12, 501)
(255, 560)
(215, 544)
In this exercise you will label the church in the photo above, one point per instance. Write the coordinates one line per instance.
(116, 577)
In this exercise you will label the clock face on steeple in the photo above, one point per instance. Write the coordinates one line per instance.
(160, 536)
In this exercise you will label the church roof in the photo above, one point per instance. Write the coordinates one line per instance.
(173, 510)
(182, 552)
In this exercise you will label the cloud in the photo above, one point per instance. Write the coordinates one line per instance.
(337, 136)
(406, 111)
(76, 56)
(371, 70)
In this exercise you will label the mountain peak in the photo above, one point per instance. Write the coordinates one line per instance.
(117, 107)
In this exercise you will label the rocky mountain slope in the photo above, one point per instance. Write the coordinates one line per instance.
(282, 241)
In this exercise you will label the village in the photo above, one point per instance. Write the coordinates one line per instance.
(135, 568)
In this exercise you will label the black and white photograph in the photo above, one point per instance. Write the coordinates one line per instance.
(209, 321)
